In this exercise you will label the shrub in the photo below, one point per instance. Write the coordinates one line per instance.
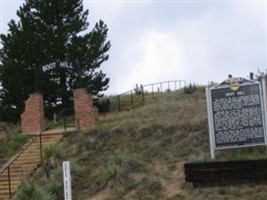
(111, 176)
(115, 173)
(103, 106)
(54, 186)
(88, 143)
(125, 161)
(55, 154)
(31, 191)
(190, 89)
(17, 141)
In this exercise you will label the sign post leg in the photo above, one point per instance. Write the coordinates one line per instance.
(212, 151)
(264, 108)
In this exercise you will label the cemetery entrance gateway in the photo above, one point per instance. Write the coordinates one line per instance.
(236, 113)
(86, 115)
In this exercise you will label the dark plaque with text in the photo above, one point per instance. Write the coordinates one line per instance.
(237, 112)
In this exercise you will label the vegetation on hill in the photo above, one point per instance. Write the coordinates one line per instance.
(139, 154)
(11, 141)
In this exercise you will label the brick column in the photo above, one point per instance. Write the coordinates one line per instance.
(32, 119)
(86, 115)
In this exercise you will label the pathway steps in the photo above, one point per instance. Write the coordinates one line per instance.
(27, 162)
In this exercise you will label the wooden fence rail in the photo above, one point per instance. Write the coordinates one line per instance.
(220, 173)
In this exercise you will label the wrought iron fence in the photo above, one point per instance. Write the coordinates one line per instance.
(142, 93)
(61, 117)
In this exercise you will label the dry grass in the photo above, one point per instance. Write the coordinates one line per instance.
(140, 154)
(159, 137)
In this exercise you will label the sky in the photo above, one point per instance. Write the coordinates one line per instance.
(195, 41)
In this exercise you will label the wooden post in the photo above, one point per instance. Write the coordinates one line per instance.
(9, 181)
(119, 103)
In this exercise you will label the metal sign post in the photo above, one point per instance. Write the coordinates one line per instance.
(67, 180)
(211, 133)
(264, 105)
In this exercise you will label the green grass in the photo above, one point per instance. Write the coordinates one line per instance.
(32, 191)
(11, 145)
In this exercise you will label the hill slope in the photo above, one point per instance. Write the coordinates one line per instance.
(140, 155)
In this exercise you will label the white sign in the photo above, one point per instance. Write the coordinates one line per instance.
(53, 65)
(67, 180)
(49, 66)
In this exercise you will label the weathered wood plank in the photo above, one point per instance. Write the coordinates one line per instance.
(224, 172)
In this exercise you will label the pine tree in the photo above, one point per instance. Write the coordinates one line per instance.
(51, 31)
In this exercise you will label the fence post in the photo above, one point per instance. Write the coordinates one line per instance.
(143, 94)
(169, 86)
(65, 123)
(175, 85)
(41, 147)
(9, 180)
(161, 87)
(152, 90)
(132, 97)
(119, 104)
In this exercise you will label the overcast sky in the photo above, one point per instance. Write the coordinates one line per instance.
(196, 41)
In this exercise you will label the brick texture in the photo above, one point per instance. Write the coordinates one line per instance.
(32, 119)
(86, 115)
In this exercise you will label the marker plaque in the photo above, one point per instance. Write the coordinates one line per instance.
(236, 114)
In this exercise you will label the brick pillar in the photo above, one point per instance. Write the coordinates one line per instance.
(32, 119)
(86, 115)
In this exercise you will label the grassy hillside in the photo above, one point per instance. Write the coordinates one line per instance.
(140, 154)
(11, 141)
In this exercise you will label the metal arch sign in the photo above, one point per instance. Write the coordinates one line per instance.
(53, 65)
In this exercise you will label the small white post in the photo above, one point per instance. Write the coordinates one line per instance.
(67, 180)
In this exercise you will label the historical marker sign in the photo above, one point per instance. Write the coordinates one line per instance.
(236, 114)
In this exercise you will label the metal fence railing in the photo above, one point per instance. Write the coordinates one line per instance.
(141, 93)
(6, 171)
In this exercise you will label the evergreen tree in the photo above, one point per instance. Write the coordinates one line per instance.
(51, 31)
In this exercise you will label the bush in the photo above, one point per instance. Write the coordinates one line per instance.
(115, 173)
(55, 154)
(17, 141)
(88, 143)
(190, 89)
(31, 191)
(103, 106)
(126, 162)
(110, 176)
